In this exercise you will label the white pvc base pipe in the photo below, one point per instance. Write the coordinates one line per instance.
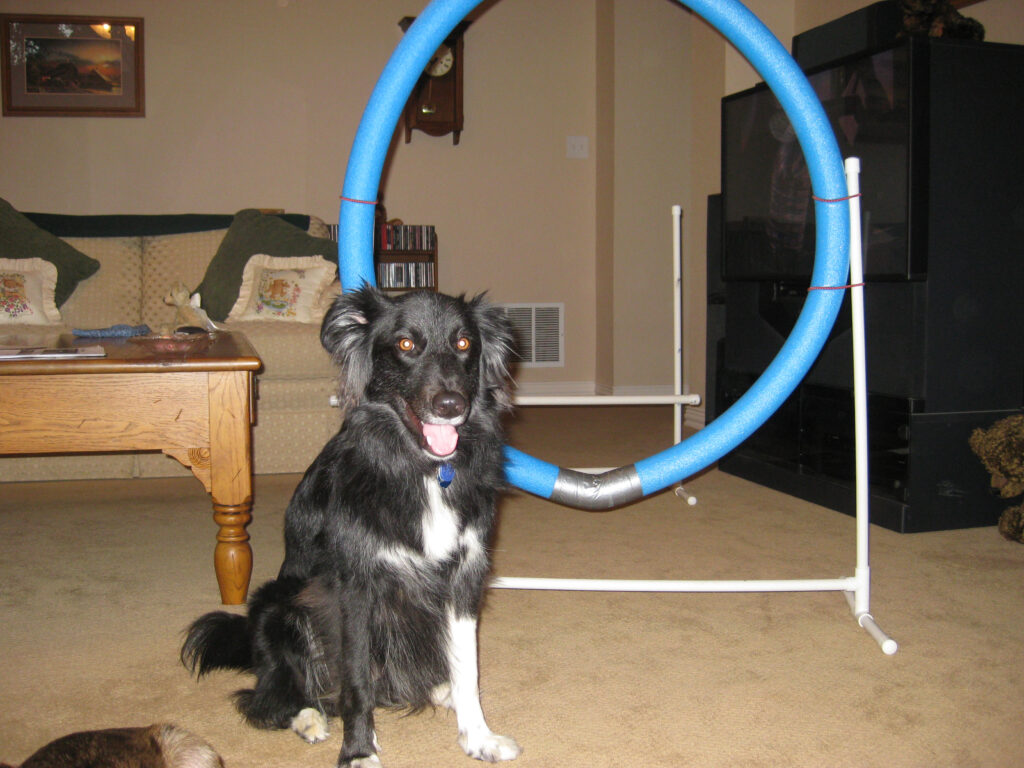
(661, 585)
(607, 399)
(856, 588)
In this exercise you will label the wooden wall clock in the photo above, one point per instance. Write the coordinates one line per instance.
(435, 104)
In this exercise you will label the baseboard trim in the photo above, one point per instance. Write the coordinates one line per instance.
(634, 390)
(694, 417)
(557, 388)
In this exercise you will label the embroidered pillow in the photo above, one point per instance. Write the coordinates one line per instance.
(283, 288)
(26, 292)
(251, 233)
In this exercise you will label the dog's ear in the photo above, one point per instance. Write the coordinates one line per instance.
(496, 341)
(347, 334)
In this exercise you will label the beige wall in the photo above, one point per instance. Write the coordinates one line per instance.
(707, 59)
(604, 224)
(256, 103)
(652, 173)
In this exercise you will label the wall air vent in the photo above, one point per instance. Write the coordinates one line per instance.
(539, 332)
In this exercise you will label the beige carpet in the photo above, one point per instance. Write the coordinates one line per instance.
(97, 580)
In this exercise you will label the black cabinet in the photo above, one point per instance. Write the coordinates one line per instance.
(945, 339)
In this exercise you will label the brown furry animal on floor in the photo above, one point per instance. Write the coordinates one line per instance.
(1001, 449)
(1011, 524)
(158, 746)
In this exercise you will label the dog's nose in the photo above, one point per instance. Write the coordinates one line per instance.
(448, 405)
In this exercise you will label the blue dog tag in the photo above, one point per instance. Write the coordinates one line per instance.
(445, 474)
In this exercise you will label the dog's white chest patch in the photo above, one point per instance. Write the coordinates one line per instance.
(439, 533)
(440, 524)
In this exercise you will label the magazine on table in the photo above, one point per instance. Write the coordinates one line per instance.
(50, 353)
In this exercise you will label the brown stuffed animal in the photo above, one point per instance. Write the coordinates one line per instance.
(188, 312)
(1001, 449)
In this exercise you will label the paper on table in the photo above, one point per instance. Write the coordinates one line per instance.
(50, 353)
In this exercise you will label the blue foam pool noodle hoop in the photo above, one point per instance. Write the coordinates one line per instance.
(756, 42)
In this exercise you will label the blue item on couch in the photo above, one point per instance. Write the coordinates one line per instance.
(121, 330)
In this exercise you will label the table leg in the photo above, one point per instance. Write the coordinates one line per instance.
(232, 557)
(231, 481)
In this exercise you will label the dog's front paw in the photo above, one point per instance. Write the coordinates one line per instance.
(489, 747)
(441, 695)
(361, 762)
(311, 725)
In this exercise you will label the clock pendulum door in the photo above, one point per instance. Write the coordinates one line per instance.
(435, 104)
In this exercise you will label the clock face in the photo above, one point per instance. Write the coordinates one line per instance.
(441, 62)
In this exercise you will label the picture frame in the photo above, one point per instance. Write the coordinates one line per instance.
(72, 66)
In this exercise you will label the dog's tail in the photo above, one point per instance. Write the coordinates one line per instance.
(217, 640)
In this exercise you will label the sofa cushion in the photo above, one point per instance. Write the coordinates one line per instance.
(21, 239)
(83, 466)
(170, 259)
(289, 441)
(250, 233)
(294, 421)
(26, 292)
(114, 294)
(288, 350)
(298, 395)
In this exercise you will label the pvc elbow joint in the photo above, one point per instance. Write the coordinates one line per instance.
(603, 491)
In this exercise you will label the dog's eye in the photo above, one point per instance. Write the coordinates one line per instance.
(406, 344)
(463, 344)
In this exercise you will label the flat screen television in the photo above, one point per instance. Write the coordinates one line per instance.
(767, 210)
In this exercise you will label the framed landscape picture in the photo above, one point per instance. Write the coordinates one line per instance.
(89, 66)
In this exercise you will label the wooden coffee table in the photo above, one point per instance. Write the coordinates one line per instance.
(191, 399)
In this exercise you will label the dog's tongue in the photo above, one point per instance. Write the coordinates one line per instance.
(441, 438)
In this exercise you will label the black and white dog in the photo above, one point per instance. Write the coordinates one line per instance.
(386, 536)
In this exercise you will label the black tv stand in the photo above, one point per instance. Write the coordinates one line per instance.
(945, 339)
(923, 476)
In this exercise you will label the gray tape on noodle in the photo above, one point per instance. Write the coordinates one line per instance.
(606, 490)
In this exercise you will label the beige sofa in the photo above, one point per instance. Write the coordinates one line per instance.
(294, 417)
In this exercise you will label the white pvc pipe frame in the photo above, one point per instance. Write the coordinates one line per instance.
(856, 588)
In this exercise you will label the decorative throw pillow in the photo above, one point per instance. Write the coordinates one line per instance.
(26, 292)
(21, 239)
(252, 233)
(283, 288)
